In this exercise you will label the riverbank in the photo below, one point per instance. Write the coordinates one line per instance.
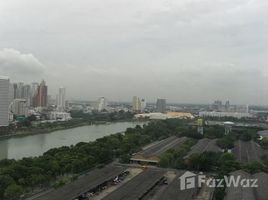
(72, 152)
(37, 144)
(58, 127)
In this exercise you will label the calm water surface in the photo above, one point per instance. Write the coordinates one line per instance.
(35, 145)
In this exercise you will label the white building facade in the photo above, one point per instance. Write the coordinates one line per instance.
(60, 116)
(61, 99)
(102, 104)
(4, 100)
(20, 107)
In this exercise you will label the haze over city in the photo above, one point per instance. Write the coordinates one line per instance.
(185, 51)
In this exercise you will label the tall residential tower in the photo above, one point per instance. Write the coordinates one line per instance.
(161, 105)
(40, 96)
(61, 99)
(4, 100)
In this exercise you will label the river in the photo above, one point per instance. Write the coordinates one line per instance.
(35, 145)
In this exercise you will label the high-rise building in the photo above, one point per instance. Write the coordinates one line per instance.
(161, 105)
(40, 96)
(4, 100)
(61, 99)
(136, 104)
(11, 93)
(102, 104)
(15, 88)
(19, 91)
(217, 105)
(143, 104)
(227, 105)
(20, 107)
(33, 91)
(26, 94)
(11, 99)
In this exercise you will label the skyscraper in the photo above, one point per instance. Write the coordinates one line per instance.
(143, 104)
(26, 94)
(40, 96)
(33, 91)
(102, 104)
(19, 90)
(61, 99)
(227, 105)
(20, 107)
(161, 105)
(4, 100)
(136, 104)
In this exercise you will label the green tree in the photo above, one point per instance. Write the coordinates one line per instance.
(13, 191)
(5, 181)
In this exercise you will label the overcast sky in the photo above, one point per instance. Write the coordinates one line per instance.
(182, 50)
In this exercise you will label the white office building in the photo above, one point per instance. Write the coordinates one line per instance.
(60, 116)
(102, 104)
(237, 115)
(136, 104)
(61, 99)
(4, 100)
(20, 107)
(143, 104)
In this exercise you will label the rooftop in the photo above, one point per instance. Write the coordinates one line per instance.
(248, 193)
(204, 145)
(83, 184)
(247, 151)
(154, 151)
(138, 186)
(173, 191)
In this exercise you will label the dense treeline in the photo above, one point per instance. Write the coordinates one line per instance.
(30, 124)
(103, 116)
(22, 176)
(174, 158)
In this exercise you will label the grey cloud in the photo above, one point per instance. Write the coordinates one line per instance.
(185, 51)
(15, 63)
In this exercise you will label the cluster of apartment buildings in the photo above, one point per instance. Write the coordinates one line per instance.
(21, 100)
(139, 105)
(218, 109)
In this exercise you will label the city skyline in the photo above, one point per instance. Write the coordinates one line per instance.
(186, 51)
(153, 100)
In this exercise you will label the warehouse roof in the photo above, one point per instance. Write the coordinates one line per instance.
(154, 151)
(248, 193)
(247, 151)
(204, 145)
(83, 184)
(173, 191)
(138, 186)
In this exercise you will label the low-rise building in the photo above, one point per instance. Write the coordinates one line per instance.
(59, 116)
(237, 115)
(163, 116)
